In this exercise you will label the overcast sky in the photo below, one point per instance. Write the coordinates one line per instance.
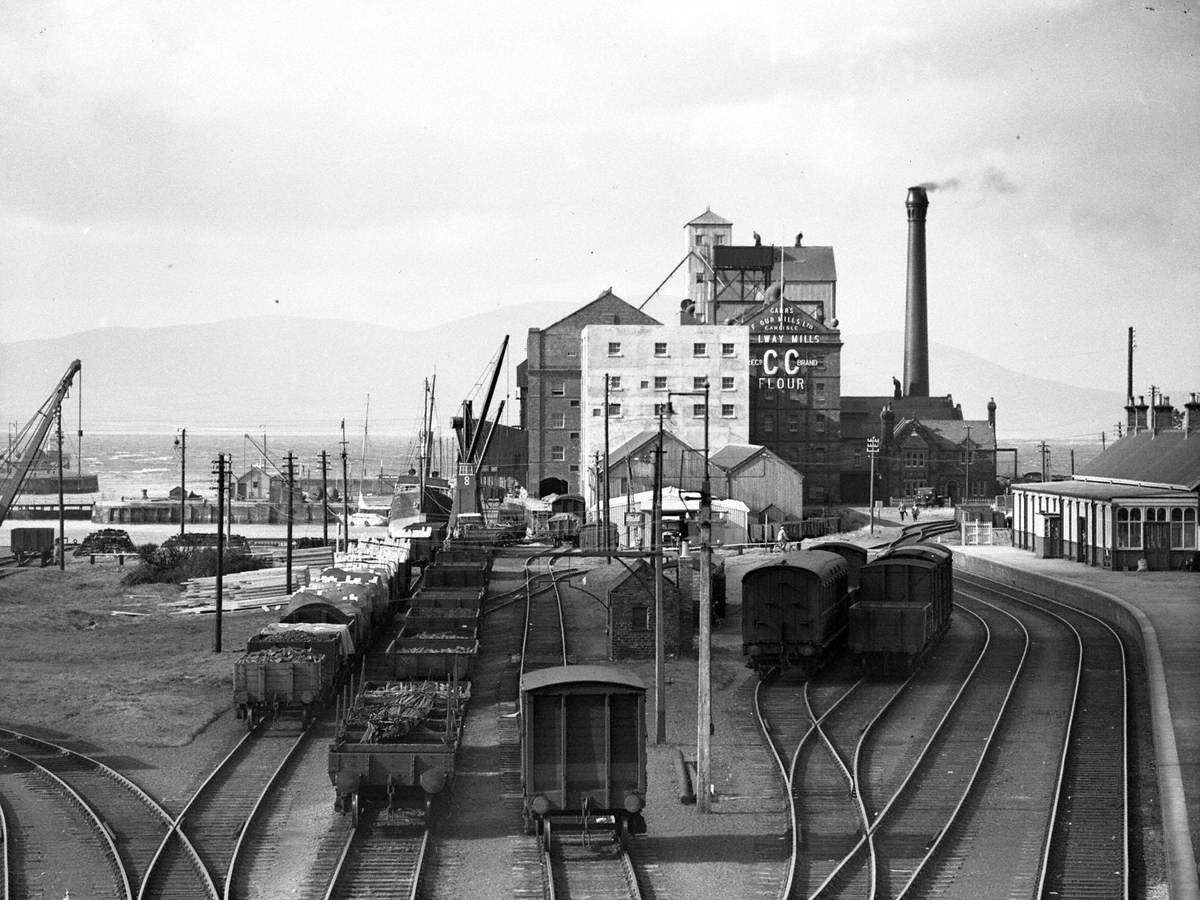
(411, 163)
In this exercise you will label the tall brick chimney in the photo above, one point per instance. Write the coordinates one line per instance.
(1191, 417)
(916, 331)
(1140, 412)
(1164, 414)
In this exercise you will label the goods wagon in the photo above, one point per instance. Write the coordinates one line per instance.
(456, 575)
(433, 647)
(564, 528)
(395, 745)
(290, 668)
(794, 610)
(382, 577)
(854, 554)
(311, 606)
(459, 556)
(904, 605)
(583, 750)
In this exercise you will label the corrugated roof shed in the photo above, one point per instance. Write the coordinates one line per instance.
(1166, 458)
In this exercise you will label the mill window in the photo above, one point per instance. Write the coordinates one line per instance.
(699, 382)
(614, 348)
(727, 382)
(727, 410)
(558, 453)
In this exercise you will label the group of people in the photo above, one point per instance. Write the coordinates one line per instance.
(916, 512)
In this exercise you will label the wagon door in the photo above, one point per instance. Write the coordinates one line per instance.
(587, 751)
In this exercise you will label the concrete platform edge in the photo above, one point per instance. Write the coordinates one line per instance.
(1177, 837)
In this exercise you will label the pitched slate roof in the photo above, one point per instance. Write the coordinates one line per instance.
(808, 264)
(640, 440)
(1166, 458)
(731, 456)
(1103, 490)
(955, 430)
(708, 217)
(620, 312)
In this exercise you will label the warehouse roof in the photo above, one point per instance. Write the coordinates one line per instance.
(556, 675)
(1166, 458)
(1104, 491)
(731, 456)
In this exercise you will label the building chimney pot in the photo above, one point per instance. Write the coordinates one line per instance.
(1191, 417)
(1141, 423)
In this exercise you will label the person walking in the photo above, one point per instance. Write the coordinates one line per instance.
(781, 539)
(903, 512)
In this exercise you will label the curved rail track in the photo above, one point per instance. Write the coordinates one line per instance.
(53, 841)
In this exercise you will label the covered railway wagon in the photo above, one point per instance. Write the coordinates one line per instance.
(794, 610)
(583, 749)
(854, 554)
(904, 605)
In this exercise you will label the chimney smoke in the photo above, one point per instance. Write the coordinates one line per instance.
(916, 332)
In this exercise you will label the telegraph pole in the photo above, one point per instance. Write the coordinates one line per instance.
(967, 492)
(872, 452)
(1045, 451)
(220, 549)
(324, 498)
(181, 443)
(345, 488)
(607, 492)
(704, 672)
(290, 513)
(1072, 461)
(660, 668)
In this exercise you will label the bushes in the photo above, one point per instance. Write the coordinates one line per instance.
(171, 565)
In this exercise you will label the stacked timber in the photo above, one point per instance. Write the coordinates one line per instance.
(242, 590)
(385, 713)
(106, 540)
(284, 653)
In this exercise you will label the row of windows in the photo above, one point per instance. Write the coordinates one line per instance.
(728, 411)
(1130, 526)
(660, 383)
(767, 424)
(661, 349)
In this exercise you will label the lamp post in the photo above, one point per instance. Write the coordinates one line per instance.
(872, 452)
(704, 671)
(967, 492)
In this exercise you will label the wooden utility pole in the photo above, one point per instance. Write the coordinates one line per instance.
(291, 480)
(220, 549)
(345, 488)
(660, 667)
(967, 490)
(324, 497)
(181, 442)
(704, 673)
(872, 452)
(62, 515)
(607, 492)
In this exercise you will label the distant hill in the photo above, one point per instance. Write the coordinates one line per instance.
(304, 375)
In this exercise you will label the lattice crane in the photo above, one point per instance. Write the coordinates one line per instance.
(34, 435)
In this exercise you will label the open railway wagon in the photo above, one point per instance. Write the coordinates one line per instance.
(291, 668)
(794, 610)
(381, 575)
(396, 743)
(564, 528)
(904, 604)
(434, 647)
(583, 750)
(336, 603)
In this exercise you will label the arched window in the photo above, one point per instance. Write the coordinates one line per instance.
(1129, 529)
(1183, 529)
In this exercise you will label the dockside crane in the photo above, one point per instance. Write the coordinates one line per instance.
(474, 439)
(34, 432)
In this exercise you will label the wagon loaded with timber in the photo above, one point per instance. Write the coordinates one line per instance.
(395, 745)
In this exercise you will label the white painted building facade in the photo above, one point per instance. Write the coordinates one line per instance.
(650, 365)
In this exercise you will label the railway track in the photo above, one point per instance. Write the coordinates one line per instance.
(381, 859)
(205, 837)
(52, 841)
(135, 821)
(596, 869)
(1086, 852)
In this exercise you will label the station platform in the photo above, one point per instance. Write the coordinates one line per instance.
(1164, 609)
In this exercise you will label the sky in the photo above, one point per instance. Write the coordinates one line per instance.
(411, 164)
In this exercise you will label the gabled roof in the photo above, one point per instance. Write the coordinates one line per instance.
(641, 440)
(766, 314)
(1166, 458)
(708, 217)
(1104, 491)
(733, 456)
(954, 431)
(610, 306)
(809, 264)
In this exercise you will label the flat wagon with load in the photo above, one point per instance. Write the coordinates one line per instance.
(904, 605)
(794, 610)
(583, 750)
(396, 743)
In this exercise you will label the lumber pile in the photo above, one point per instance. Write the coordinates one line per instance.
(106, 540)
(243, 590)
(281, 654)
